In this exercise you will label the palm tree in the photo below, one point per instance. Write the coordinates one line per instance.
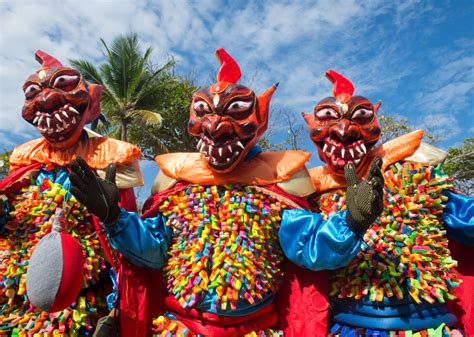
(130, 83)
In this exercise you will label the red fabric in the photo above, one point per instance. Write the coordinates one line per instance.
(464, 306)
(128, 200)
(141, 299)
(303, 301)
(71, 281)
(209, 324)
(17, 179)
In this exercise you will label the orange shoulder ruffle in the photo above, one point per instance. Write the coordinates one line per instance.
(324, 179)
(98, 152)
(264, 169)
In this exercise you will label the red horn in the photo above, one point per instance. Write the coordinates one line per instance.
(46, 60)
(230, 71)
(343, 88)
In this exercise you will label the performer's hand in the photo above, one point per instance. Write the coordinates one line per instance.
(100, 196)
(364, 199)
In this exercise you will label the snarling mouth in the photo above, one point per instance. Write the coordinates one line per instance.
(339, 154)
(221, 154)
(58, 123)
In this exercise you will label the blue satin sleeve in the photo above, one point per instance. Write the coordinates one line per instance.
(458, 217)
(142, 242)
(315, 244)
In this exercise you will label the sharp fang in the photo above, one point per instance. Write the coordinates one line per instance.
(74, 120)
(201, 149)
(363, 148)
(220, 152)
(36, 120)
(358, 150)
(351, 152)
(65, 114)
(58, 118)
(40, 120)
(199, 144)
(229, 148)
(48, 121)
(37, 113)
(332, 150)
(228, 160)
(325, 147)
(73, 110)
(357, 161)
(240, 144)
(343, 153)
(209, 150)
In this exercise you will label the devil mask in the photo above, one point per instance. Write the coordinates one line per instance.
(228, 118)
(343, 127)
(58, 102)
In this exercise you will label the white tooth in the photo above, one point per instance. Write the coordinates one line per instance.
(237, 153)
(363, 148)
(228, 160)
(240, 144)
(201, 149)
(332, 150)
(37, 113)
(58, 118)
(65, 114)
(48, 121)
(357, 161)
(65, 106)
(74, 120)
(343, 152)
(65, 125)
(40, 120)
(325, 147)
(220, 152)
(358, 149)
(351, 152)
(210, 149)
(199, 143)
(73, 110)
(35, 120)
(229, 148)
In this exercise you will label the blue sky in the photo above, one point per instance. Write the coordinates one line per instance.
(416, 56)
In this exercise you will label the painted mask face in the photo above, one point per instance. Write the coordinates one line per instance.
(343, 127)
(58, 102)
(228, 118)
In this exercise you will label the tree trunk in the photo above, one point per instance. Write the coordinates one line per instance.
(123, 135)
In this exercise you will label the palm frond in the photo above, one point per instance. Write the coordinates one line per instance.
(147, 117)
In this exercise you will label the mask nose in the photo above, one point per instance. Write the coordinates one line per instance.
(341, 130)
(216, 127)
(50, 99)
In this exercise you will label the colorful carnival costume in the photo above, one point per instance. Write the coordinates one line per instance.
(58, 102)
(405, 280)
(216, 224)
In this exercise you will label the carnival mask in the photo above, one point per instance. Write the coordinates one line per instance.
(343, 127)
(58, 102)
(228, 118)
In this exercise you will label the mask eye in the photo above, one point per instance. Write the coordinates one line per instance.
(32, 90)
(66, 82)
(239, 109)
(201, 108)
(362, 115)
(327, 114)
